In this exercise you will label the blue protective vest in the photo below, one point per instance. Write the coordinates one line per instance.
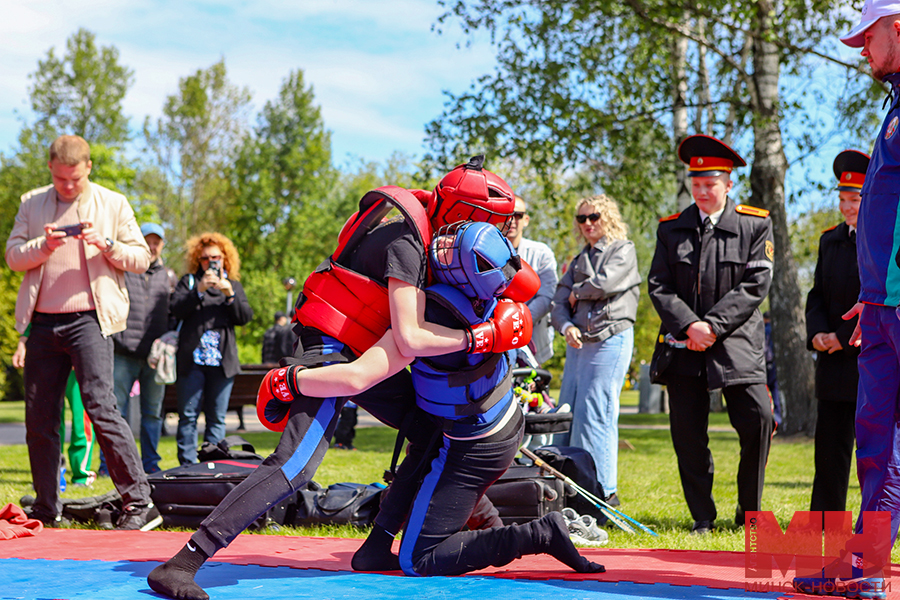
(878, 237)
(462, 386)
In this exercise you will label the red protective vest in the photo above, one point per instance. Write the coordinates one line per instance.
(344, 304)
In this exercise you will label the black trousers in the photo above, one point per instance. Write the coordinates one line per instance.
(57, 344)
(433, 541)
(750, 413)
(835, 433)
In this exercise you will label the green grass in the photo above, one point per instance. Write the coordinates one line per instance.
(12, 412)
(648, 481)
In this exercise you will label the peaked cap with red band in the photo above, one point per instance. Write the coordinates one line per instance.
(706, 156)
(850, 169)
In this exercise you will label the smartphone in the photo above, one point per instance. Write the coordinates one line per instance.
(71, 229)
(216, 265)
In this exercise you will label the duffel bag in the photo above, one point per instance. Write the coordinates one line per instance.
(524, 493)
(338, 504)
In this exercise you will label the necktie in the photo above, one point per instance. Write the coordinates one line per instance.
(853, 236)
(707, 225)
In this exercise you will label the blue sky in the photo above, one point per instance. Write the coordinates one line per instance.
(377, 68)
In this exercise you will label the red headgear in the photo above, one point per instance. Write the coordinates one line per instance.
(470, 193)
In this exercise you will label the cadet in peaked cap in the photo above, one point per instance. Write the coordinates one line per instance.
(711, 270)
(835, 290)
(850, 169)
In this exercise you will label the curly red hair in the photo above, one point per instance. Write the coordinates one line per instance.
(196, 244)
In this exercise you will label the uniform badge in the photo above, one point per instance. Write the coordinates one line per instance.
(891, 128)
(770, 250)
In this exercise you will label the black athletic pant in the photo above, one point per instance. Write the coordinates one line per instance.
(750, 413)
(835, 432)
(433, 543)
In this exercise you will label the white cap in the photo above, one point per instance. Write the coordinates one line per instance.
(872, 10)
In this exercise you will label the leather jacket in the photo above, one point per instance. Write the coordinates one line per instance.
(605, 281)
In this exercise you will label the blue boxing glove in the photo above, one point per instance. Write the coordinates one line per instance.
(276, 392)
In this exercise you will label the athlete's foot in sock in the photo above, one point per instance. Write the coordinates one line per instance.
(175, 583)
(175, 578)
(553, 536)
(375, 553)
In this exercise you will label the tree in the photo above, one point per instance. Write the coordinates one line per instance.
(602, 85)
(191, 148)
(282, 182)
(282, 203)
(82, 91)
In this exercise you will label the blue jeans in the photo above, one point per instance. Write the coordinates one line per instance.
(127, 370)
(204, 388)
(591, 384)
(57, 344)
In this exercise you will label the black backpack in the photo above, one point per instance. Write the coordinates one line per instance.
(576, 464)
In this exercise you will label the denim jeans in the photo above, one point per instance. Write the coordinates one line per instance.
(57, 344)
(207, 389)
(127, 370)
(591, 384)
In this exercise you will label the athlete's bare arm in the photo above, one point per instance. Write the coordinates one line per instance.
(348, 379)
(412, 334)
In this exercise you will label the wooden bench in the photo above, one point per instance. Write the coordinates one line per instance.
(246, 386)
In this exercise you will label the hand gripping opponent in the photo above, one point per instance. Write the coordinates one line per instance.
(276, 392)
(509, 328)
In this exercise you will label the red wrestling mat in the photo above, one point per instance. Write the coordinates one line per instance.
(720, 570)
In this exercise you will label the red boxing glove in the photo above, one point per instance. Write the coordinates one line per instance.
(509, 328)
(524, 285)
(276, 392)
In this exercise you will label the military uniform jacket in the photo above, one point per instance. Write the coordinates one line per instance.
(834, 292)
(720, 277)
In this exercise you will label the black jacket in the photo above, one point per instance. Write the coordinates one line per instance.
(835, 290)
(148, 314)
(210, 312)
(738, 259)
(278, 342)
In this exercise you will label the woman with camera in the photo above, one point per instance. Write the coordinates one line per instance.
(594, 307)
(209, 302)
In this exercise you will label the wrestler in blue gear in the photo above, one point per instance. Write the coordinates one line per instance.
(482, 424)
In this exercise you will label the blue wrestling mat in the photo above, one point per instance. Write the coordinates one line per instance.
(39, 579)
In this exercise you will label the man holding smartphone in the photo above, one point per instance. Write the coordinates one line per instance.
(73, 239)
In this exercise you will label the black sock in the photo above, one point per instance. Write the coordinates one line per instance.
(375, 553)
(175, 578)
(551, 536)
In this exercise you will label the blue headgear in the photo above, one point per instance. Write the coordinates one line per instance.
(474, 257)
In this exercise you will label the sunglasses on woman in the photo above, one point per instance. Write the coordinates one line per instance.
(594, 217)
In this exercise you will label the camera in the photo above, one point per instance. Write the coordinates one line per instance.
(216, 265)
(75, 229)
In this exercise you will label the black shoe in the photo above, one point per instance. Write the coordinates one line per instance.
(702, 527)
(612, 500)
(57, 522)
(340, 446)
(739, 517)
(142, 517)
